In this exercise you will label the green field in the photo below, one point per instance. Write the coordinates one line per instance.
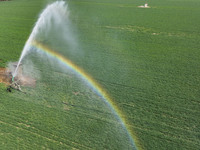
(146, 59)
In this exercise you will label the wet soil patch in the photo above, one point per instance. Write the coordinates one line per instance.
(5, 77)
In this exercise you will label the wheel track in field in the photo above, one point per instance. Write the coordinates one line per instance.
(42, 136)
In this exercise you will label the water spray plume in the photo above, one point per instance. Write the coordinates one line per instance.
(53, 10)
(56, 12)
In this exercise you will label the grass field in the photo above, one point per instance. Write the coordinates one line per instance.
(146, 59)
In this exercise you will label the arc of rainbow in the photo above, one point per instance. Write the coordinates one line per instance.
(92, 83)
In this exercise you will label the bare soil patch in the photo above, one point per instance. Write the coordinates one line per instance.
(5, 77)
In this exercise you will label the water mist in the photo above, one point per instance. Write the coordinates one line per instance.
(53, 28)
(54, 12)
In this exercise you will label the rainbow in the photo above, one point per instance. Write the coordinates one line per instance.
(92, 83)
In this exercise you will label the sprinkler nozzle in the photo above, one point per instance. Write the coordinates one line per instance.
(13, 79)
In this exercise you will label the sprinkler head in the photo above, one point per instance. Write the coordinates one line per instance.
(13, 79)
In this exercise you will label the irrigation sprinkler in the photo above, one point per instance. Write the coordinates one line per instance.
(13, 79)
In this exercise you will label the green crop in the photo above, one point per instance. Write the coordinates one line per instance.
(146, 59)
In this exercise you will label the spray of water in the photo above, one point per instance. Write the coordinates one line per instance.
(53, 27)
(52, 15)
